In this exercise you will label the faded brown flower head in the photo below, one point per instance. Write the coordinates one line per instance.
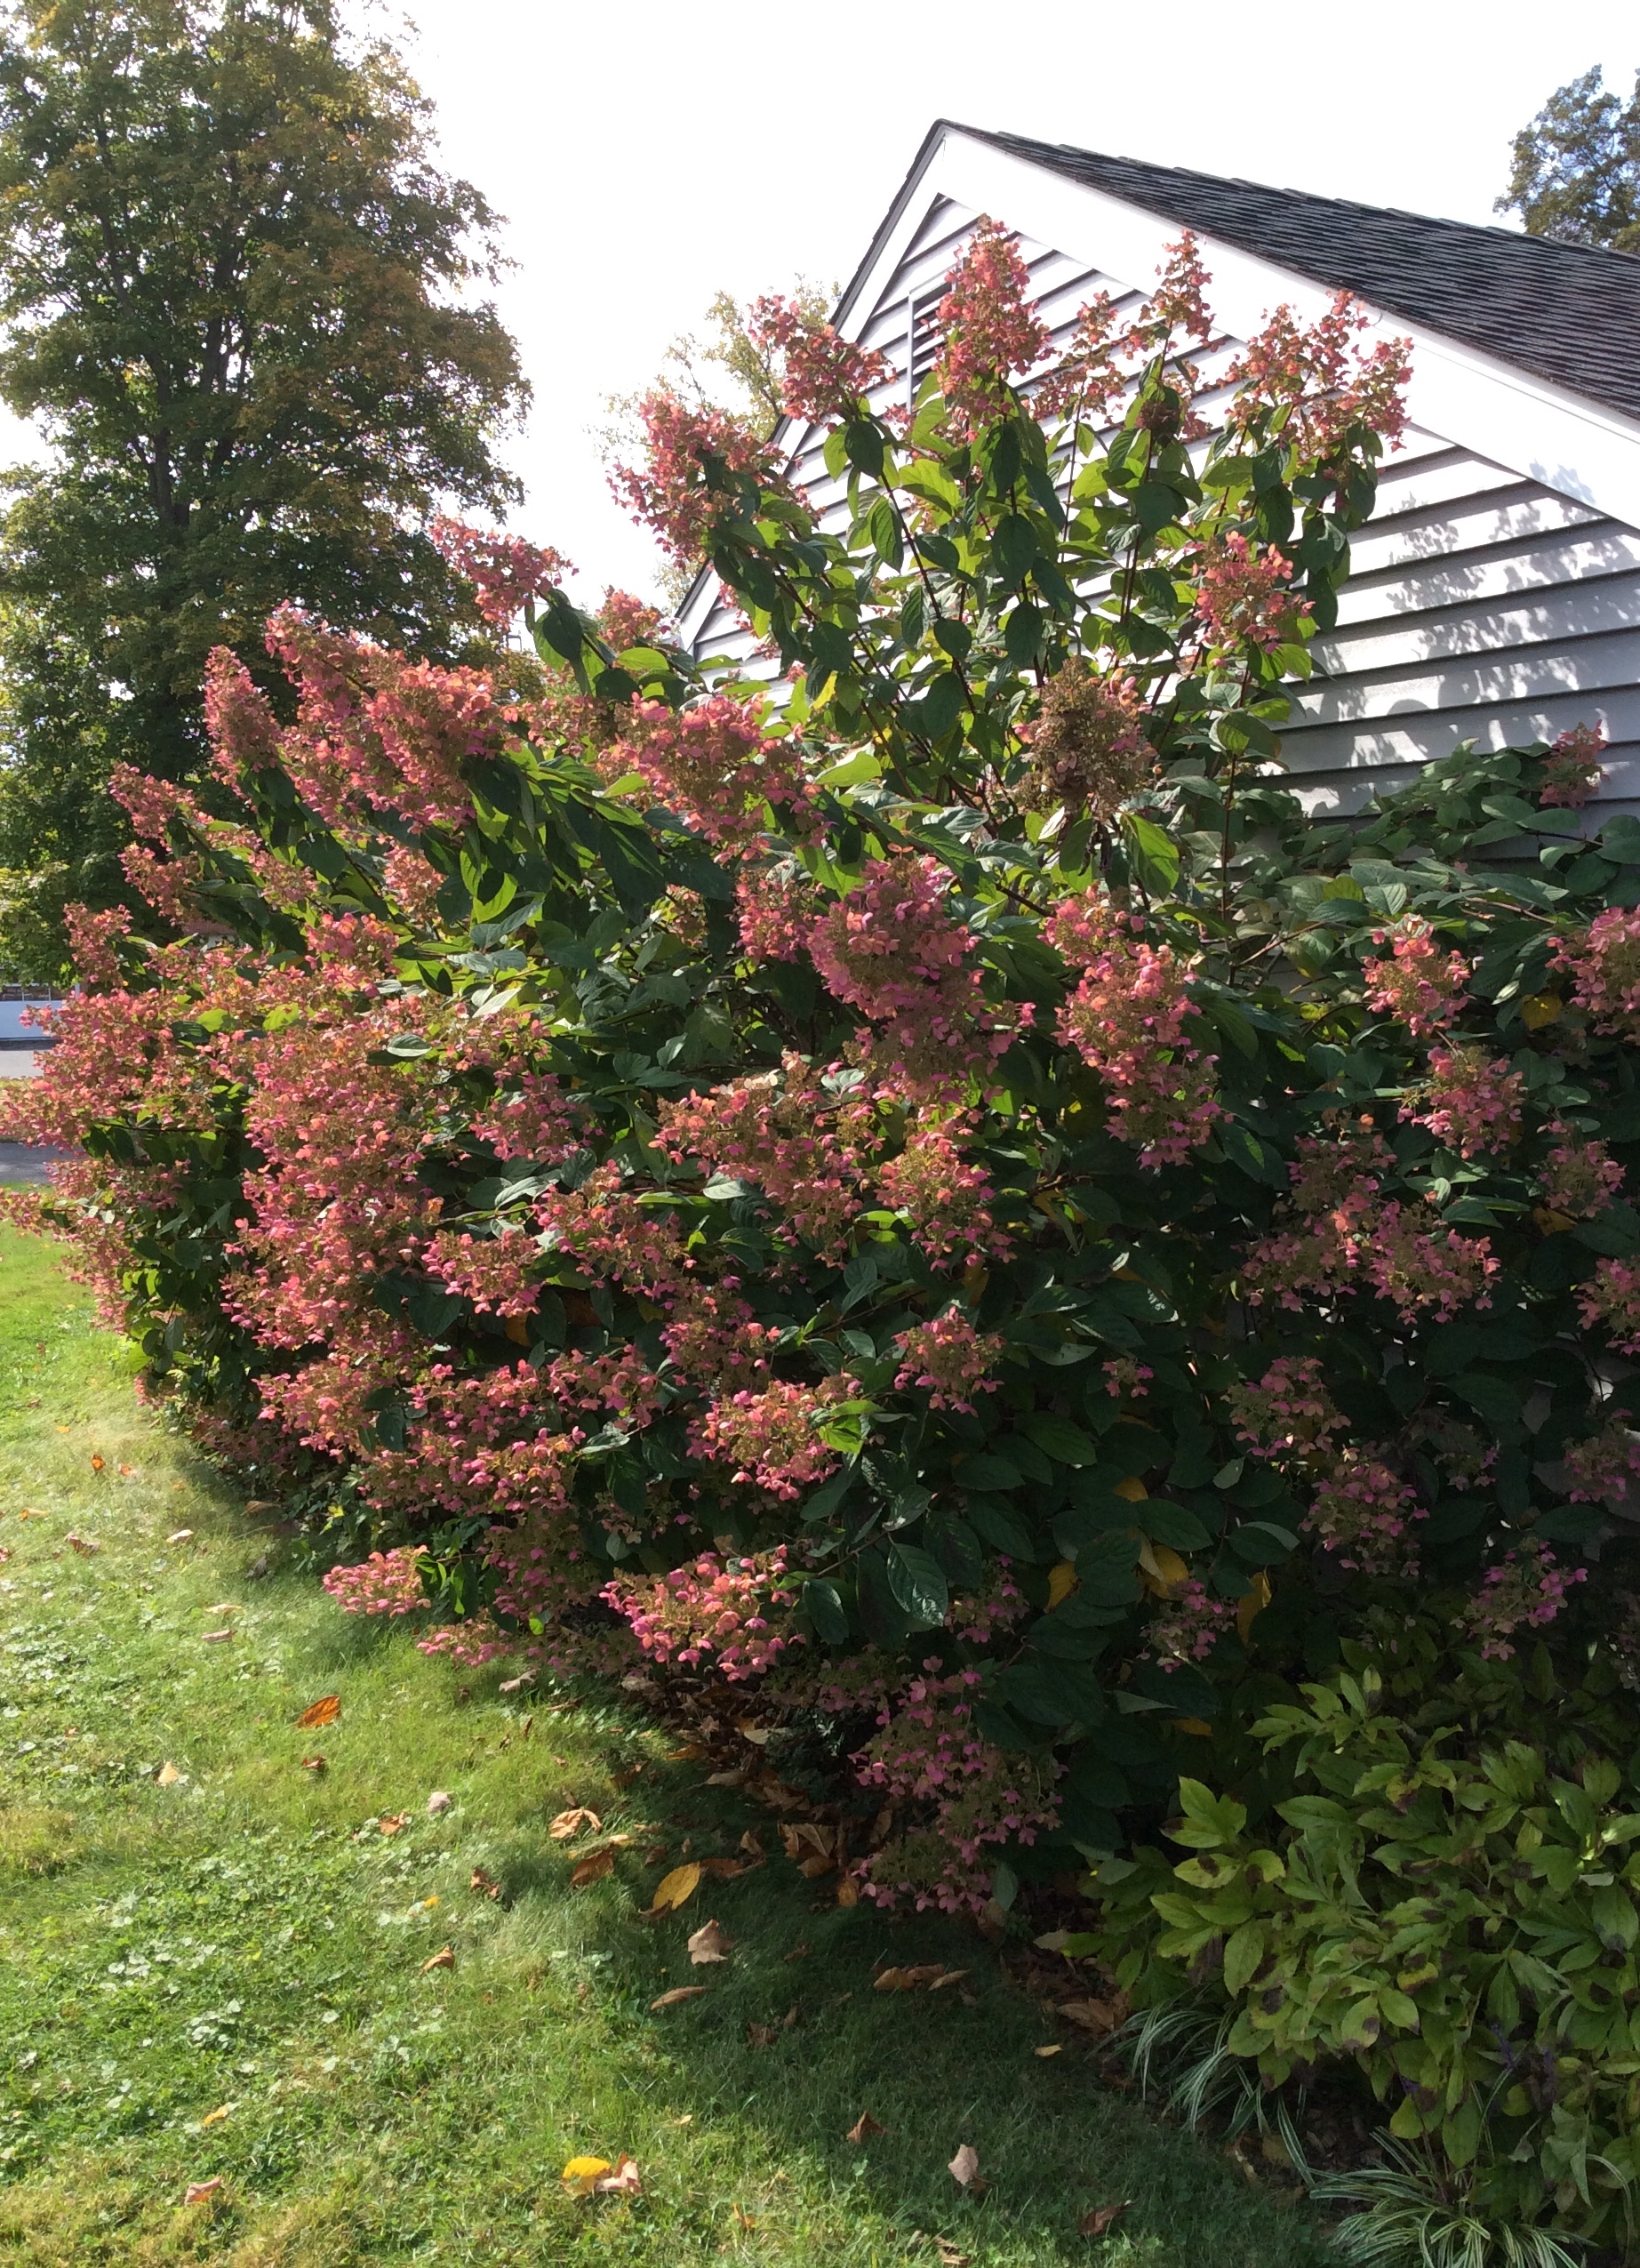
(1088, 744)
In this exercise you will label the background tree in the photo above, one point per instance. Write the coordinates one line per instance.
(238, 298)
(1576, 171)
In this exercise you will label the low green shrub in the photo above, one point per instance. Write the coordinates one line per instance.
(1437, 1885)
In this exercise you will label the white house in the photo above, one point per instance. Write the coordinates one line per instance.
(1495, 594)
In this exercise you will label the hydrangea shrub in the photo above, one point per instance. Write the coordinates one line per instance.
(922, 1177)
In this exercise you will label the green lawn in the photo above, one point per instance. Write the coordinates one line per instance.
(223, 1975)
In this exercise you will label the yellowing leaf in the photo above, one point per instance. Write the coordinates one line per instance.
(1134, 1491)
(1539, 1008)
(1162, 1569)
(323, 1711)
(674, 1890)
(580, 2175)
(1252, 1604)
(1053, 2047)
(1198, 1726)
(1062, 1583)
(215, 2118)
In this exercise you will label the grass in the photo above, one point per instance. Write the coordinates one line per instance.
(223, 1974)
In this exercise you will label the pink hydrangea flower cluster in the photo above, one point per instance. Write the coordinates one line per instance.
(973, 1797)
(1612, 1296)
(992, 329)
(776, 913)
(1605, 968)
(1320, 382)
(804, 1146)
(824, 375)
(1364, 1513)
(942, 1196)
(734, 1611)
(950, 1359)
(1353, 1237)
(501, 1275)
(1605, 1465)
(388, 1582)
(1288, 1412)
(892, 948)
(1124, 1375)
(668, 494)
(1188, 1624)
(1571, 770)
(1131, 1018)
(1578, 1177)
(1470, 1103)
(1099, 364)
(1421, 987)
(1527, 1591)
(1244, 593)
(769, 1436)
(716, 765)
(977, 1616)
(504, 569)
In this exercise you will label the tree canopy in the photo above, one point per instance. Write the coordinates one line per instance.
(1576, 170)
(245, 306)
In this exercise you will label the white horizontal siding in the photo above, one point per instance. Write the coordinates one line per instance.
(1482, 605)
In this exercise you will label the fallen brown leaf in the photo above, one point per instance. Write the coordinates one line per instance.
(517, 1684)
(167, 1776)
(907, 1980)
(215, 2118)
(1097, 2017)
(964, 2168)
(751, 1842)
(98, 1463)
(444, 1958)
(199, 2192)
(679, 1992)
(624, 1780)
(951, 1976)
(951, 2257)
(484, 1882)
(623, 2181)
(676, 1889)
(86, 1546)
(180, 1535)
(863, 2126)
(709, 1944)
(571, 1822)
(392, 1823)
(215, 1637)
(314, 1764)
(848, 1891)
(797, 1953)
(593, 1868)
(789, 2019)
(724, 1870)
(762, 2035)
(324, 1711)
(1103, 2218)
(743, 2220)
(686, 1754)
(440, 1801)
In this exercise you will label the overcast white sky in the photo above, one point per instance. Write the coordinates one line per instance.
(646, 155)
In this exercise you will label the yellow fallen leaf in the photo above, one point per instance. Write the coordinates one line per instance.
(678, 1994)
(1062, 1583)
(674, 1889)
(1052, 2048)
(167, 1776)
(215, 2118)
(1133, 1491)
(1252, 1604)
(580, 2174)
(323, 1711)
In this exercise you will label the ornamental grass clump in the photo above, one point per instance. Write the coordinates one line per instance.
(936, 1190)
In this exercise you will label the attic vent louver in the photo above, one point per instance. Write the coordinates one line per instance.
(922, 336)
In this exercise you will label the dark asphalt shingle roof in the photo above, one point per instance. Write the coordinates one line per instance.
(1563, 311)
